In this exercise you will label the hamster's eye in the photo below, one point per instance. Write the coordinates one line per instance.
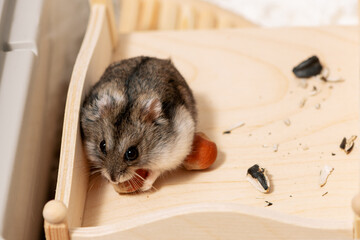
(103, 146)
(131, 154)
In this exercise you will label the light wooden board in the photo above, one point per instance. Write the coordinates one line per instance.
(214, 221)
(93, 58)
(145, 15)
(245, 75)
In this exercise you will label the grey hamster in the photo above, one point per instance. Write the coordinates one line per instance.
(141, 114)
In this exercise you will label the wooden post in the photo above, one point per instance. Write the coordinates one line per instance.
(356, 208)
(168, 12)
(128, 19)
(55, 224)
(110, 18)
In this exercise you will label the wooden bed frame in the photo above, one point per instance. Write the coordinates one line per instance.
(236, 75)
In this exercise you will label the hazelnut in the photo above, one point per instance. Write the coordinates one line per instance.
(203, 154)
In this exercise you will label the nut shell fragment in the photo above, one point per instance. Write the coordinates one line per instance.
(348, 144)
(132, 185)
(258, 178)
(324, 174)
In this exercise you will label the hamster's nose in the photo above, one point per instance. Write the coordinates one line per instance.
(113, 177)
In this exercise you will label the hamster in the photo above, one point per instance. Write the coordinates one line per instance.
(140, 115)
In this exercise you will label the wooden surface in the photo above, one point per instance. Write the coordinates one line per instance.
(245, 75)
(215, 221)
(93, 58)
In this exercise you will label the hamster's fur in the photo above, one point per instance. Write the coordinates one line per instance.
(142, 105)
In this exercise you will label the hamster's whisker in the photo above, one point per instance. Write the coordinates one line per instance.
(93, 181)
(136, 174)
(95, 171)
(143, 179)
(136, 184)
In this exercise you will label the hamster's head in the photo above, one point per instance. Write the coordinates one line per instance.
(122, 135)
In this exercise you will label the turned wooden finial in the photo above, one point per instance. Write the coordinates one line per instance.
(54, 212)
(356, 204)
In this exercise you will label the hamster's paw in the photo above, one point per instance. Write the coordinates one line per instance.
(146, 186)
(149, 181)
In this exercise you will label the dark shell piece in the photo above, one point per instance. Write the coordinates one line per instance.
(343, 143)
(308, 68)
(258, 173)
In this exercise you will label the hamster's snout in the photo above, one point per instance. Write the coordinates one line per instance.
(116, 177)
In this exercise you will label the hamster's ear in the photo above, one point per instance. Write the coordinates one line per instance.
(151, 110)
(106, 102)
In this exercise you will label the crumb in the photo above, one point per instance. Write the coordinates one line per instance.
(268, 203)
(333, 154)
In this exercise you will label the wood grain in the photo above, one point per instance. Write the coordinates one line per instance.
(144, 15)
(93, 58)
(245, 75)
(215, 221)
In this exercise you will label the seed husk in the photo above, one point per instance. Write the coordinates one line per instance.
(327, 78)
(350, 144)
(308, 68)
(302, 102)
(334, 79)
(324, 174)
(314, 91)
(305, 147)
(343, 143)
(238, 125)
(276, 147)
(287, 122)
(258, 178)
(325, 73)
(268, 204)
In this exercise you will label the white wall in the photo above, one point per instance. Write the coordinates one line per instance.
(276, 13)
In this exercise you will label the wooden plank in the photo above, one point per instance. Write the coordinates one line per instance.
(109, 17)
(128, 17)
(168, 12)
(245, 75)
(186, 19)
(144, 15)
(214, 221)
(148, 15)
(93, 58)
